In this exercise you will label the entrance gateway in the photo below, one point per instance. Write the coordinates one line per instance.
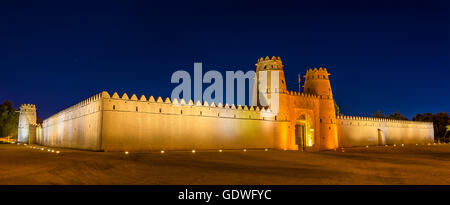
(300, 136)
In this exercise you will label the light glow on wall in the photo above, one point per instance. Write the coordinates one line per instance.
(310, 137)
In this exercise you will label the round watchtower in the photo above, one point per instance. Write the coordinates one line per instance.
(27, 122)
(269, 79)
(318, 83)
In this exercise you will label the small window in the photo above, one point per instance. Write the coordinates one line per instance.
(320, 120)
(114, 107)
(160, 110)
(181, 112)
(137, 109)
(201, 113)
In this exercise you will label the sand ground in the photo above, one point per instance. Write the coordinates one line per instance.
(411, 164)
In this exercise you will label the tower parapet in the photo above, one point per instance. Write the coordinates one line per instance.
(318, 83)
(267, 63)
(27, 123)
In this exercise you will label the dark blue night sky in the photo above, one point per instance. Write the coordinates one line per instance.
(382, 55)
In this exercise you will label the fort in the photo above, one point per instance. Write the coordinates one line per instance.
(305, 120)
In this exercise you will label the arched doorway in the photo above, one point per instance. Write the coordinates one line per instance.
(381, 139)
(300, 136)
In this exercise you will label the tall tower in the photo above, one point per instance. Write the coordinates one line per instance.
(318, 83)
(269, 82)
(27, 123)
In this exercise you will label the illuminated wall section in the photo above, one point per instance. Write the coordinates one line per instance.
(362, 131)
(154, 124)
(78, 126)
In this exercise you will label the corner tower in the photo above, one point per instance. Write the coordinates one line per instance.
(269, 81)
(318, 83)
(27, 123)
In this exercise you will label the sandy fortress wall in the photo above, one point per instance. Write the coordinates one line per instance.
(154, 124)
(78, 126)
(362, 131)
(113, 123)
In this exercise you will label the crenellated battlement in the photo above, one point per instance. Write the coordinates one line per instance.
(83, 103)
(190, 103)
(267, 63)
(305, 95)
(315, 70)
(374, 119)
(315, 74)
(27, 106)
